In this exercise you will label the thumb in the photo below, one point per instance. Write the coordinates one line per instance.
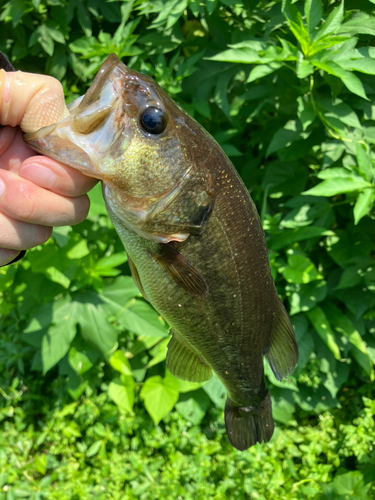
(31, 101)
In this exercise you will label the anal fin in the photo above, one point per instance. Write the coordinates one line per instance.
(282, 353)
(183, 363)
(136, 277)
(181, 271)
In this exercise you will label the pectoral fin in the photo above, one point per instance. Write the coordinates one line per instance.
(282, 354)
(181, 271)
(183, 363)
(136, 277)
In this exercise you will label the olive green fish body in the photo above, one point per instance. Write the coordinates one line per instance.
(228, 329)
(195, 244)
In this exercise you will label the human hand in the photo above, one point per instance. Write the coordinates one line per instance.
(36, 192)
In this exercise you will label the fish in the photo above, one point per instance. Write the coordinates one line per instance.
(195, 244)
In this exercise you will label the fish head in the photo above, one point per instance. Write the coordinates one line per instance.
(127, 132)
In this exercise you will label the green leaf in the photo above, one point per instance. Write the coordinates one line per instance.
(126, 10)
(282, 411)
(287, 237)
(305, 342)
(363, 204)
(79, 361)
(53, 328)
(291, 13)
(231, 150)
(142, 319)
(120, 363)
(95, 328)
(43, 36)
(336, 377)
(121, 391)
(159, 395)
(344, 325)
(338, 109)
(352, 82)
(304, 68)
(332, 24)
(303, 297)
(237, 55)
(41, 464)
(296, 25)
(55, 34)
(84, 18)
(323, 328)
(351, 484)
(57, 276)
(284, 137)
(360, 23)
(313, 13)
(117, 294)
(194, 408)
(364, 162)
(56, 342)
(365, 65)
(300, 269)
(106, 265)
(351, 276)
(186, 386)
(364, 362)
(78, 251)
(263, 70)
(335, 173)
(94, 448)
(334, 186)
(216, 391)
(306, 112)
(287, 383)
(158, 353)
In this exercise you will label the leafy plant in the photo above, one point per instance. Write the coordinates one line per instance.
(287, 90)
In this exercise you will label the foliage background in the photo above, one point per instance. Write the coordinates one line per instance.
(87, 409)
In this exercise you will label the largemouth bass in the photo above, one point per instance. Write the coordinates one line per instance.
(194, 240)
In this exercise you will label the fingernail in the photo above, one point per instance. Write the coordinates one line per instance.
(42, 176)
(2, 186)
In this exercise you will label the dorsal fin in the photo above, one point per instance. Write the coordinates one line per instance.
(181, 271)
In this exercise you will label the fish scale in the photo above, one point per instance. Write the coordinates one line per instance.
(193, 236)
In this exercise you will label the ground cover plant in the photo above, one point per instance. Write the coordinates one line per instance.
(87, 408)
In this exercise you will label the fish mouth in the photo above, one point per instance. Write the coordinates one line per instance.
(96, 122)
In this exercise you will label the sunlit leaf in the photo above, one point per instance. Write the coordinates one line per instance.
(159, 396)
(363, 204)
(121, 391)
(337, 185)
(323, 328)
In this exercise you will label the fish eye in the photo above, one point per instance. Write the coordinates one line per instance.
(153, 120)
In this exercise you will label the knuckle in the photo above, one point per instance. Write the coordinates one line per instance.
(27, 205)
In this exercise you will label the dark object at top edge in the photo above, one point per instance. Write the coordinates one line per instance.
(5, 63)
(16, 259)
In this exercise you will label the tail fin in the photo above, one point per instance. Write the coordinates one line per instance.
(249, 425)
